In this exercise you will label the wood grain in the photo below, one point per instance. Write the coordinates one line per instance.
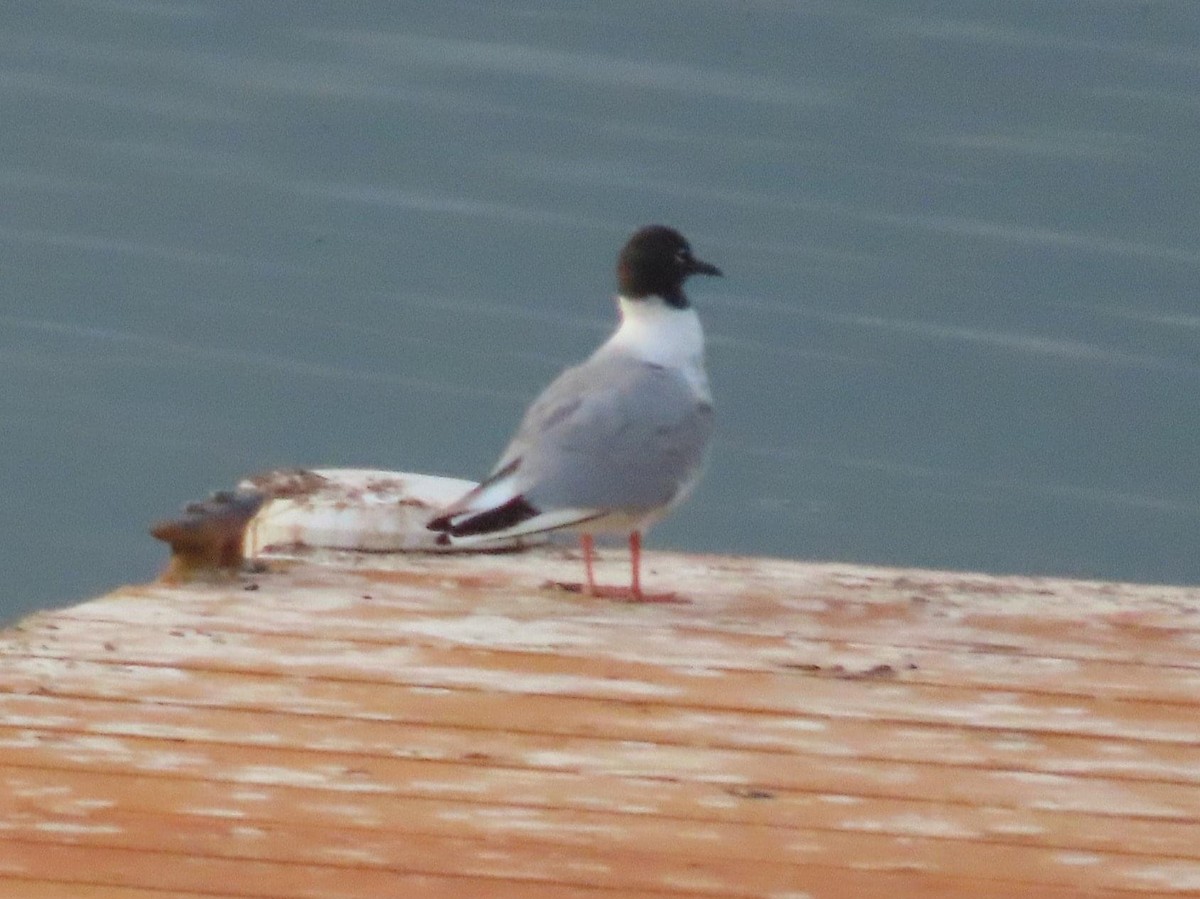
(360, 726)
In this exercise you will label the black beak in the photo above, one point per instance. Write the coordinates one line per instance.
(703, 268)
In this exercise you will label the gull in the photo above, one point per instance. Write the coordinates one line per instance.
(615, 443)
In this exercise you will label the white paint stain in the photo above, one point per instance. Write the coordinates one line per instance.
(354, 854)
(212, 812)
(249, 796)
(495, 631)
(534, 684)
(76, 827)
(911, 825)
(278, 775)
(1179, 876)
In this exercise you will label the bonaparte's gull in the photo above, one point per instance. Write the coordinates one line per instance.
(613, 444)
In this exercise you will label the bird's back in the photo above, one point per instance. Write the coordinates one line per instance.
(613, 433)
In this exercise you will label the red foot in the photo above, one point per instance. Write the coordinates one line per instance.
(619, 594)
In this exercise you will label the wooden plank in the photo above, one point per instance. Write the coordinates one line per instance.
(522, 848)
(899, 695)
(585, 643)
(749, 822)
(1008, 722)
(387, 726)
(432, 722)
(25, 888)
(267, 880)
(122, 733)
(190, 873)
(419, 784)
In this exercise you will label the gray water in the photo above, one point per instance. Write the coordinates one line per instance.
(959, 326)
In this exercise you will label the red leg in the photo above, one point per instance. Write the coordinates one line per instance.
(635, 561)
(635, 584)
(631, 594)
(585, 541)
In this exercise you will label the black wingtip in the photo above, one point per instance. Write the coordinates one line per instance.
(513, 512)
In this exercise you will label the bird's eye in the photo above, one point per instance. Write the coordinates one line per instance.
(684, 255)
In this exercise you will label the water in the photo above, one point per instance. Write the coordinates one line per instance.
(959, 325)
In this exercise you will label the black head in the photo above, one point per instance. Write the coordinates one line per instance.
(655, 262)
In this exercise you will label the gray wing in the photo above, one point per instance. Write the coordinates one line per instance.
(613, 433)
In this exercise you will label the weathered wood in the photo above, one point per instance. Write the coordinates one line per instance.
(359, 725)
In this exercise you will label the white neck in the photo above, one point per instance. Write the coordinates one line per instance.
(654, 332)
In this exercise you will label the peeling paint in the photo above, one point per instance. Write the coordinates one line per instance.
(495, 631)
(1179, 876)
(211, 811)
(532, 683)
(279, 775)
(78, 828)
(155, 730)
(355, 855)
(911, 825)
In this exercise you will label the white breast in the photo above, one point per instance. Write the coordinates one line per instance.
(654, 332)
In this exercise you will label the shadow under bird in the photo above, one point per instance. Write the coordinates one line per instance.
(615, 443)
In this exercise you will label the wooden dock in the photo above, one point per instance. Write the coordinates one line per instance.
(394, 726)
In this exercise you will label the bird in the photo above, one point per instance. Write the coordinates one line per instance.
(613, 444)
